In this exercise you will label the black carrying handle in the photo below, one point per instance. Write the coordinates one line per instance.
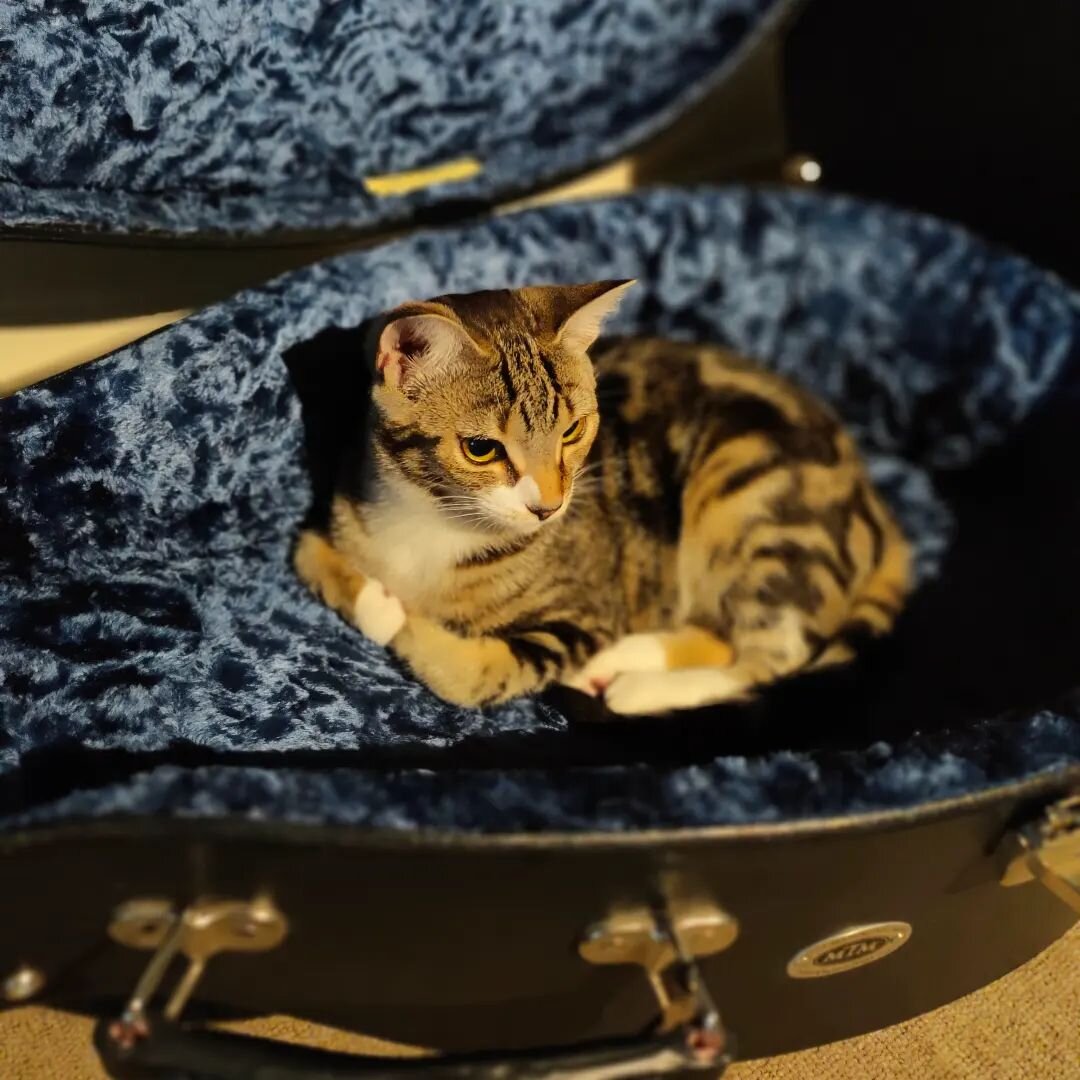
(166, 1050)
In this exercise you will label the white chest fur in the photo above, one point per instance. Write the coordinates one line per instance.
(413, 551)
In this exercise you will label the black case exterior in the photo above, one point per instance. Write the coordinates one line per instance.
(461, 942)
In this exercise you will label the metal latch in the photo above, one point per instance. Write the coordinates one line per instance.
(1048, 850)
(666, 941)
(198, 933)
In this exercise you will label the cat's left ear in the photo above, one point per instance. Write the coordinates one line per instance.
(419, 339)
(591, 305)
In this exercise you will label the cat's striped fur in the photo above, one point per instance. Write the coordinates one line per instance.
(712, 528)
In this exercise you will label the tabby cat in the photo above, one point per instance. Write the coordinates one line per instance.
(664, 525)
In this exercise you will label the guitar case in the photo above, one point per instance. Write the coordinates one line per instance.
(219, 801)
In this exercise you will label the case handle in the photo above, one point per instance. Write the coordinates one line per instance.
(666, 940)
(167, 1050)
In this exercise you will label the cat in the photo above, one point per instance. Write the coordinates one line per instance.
(663, 525)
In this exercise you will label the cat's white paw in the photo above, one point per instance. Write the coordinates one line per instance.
(635, 652)
(649, 693)
(377, 614)
(638, 694)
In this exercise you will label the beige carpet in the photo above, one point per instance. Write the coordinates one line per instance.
(1025, 1026)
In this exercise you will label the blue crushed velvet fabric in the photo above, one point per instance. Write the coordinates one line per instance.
(231, 116)
(730, 790)
(158, 656)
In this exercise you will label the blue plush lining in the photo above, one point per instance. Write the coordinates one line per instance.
(241, 117)
(157, 655)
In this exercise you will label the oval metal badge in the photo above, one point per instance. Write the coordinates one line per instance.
(848, 950)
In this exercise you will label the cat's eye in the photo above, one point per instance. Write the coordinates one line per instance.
(481, 451)
(574, 432)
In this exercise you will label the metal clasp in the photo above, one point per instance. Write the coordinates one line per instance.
(199, 932)
(1048, 850)
(666, 941)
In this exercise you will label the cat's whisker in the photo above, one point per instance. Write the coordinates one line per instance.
(465, 515)
(470, 506)
(588, 484)
(463, 504)
(477, 519)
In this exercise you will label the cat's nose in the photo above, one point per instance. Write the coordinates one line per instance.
(544, 512)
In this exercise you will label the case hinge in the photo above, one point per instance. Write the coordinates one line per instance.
(667, 941)
(198, 933)
(1048, 850)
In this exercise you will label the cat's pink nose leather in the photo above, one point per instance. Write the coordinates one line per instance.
(544, 512)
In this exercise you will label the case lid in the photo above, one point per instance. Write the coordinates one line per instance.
(238, 118)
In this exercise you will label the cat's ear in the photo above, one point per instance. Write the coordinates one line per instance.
(590, 305)
(413, 344)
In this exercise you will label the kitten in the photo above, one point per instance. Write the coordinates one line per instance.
(665, 525)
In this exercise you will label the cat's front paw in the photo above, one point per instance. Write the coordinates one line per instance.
(633, 653)
(377, 614)
(637, 694)
(653, 693)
